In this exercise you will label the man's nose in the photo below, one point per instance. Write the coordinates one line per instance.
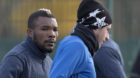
(107, 36)
(52, 34)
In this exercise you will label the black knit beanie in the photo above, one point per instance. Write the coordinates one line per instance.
(93, 15)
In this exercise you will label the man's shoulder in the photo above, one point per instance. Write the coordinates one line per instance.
(18, 50)
(17, 53)
(72, 43)
(111, 44)
(72, 40)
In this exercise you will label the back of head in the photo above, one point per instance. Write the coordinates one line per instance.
(92, 14)
(41, 12)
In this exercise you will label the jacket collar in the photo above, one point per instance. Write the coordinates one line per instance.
(87, 37)
(34, 48)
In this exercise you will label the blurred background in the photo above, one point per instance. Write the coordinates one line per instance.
(125, 29)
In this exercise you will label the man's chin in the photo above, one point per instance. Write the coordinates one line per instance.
(46, 50)
(49, 50)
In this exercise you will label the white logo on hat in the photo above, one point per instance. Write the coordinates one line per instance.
(94, 13)
(100, 22)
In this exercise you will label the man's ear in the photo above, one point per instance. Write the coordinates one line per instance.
(30, 32)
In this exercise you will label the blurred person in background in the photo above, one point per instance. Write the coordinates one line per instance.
(135, 73)
(30, 58)
(73, 58)
(108, 61)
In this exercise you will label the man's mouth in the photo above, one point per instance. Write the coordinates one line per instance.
(50, 43)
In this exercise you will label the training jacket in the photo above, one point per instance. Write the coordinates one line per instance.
(25, 61)
(72, 60)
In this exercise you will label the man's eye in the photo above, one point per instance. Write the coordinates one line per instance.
(109, 30)
(44, 29)
(55, 29)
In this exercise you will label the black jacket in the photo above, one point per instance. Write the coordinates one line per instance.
(25, 61)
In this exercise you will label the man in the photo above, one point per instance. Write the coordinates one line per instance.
(30, 59)
(109, 61)
(73, 57)
(135, 72)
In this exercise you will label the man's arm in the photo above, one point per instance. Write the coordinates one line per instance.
(109, 63)
(11, 67)
(135, 73)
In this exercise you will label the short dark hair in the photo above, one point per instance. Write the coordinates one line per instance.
(41, 12)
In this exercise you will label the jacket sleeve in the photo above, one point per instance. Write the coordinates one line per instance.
(11, 67)
(135, 72)
(66, 60)
(108, 62)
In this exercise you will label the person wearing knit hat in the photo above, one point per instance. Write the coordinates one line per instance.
(73, 58)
